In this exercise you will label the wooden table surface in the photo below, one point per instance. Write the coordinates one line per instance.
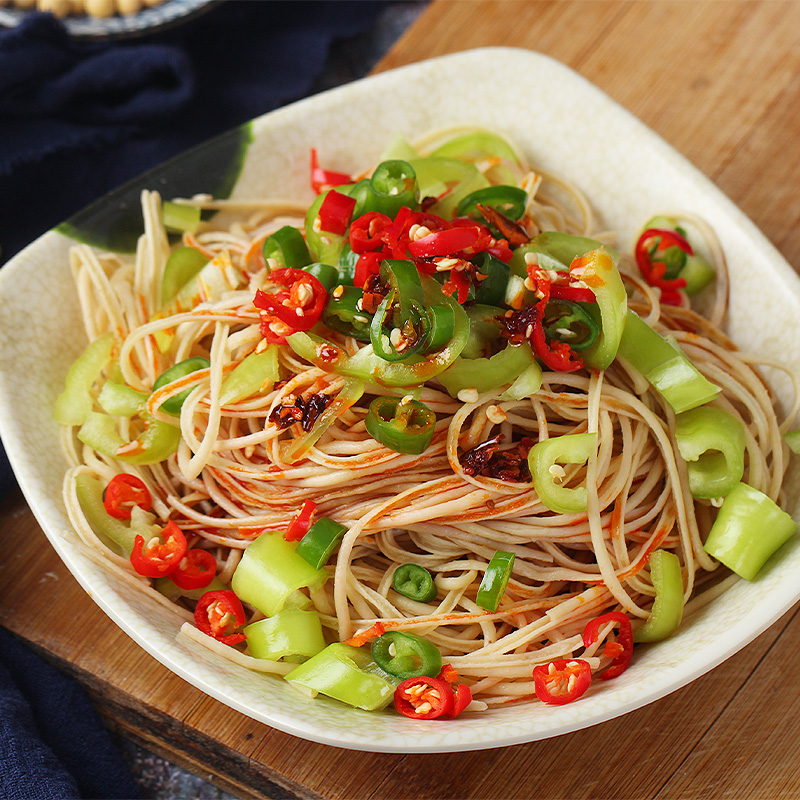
(720, 81)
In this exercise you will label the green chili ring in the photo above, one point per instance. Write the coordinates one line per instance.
(414, 582)
(403, 425)
(413, 656)
(510, 201)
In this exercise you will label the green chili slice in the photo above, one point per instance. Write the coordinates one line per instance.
(414, 582)
(406, 655)
(495, 579)
(568, 322)
(326, 274)
(183, 368)
(493, 281)
(393, 185)
(510, 201)
(403, 425)
(288, 247)
(343, 313)
(319, 542)
(400, 326)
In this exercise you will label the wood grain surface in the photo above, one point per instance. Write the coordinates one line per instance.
(720, 81)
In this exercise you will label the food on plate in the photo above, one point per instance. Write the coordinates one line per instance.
(432, 439)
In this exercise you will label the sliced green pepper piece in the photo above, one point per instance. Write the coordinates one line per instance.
(414, 582)
(157, 442)
(271, 571)
(75, 403)
(347, 674)
(792, 439)
(343, 313)
(570, 323)
(543, 461)
(667, 611)
(326, 274)
(406, 655)
(367, 366)
(495, 579)
(183, 368)
(484, 329)
(180, 218)
(748, 529)
(399, 328)
(257, 372)
(526, 385)
(89, 491)
(120, 400)
(320, 540)
(494, 279)
(447, 179)
(601, 275)
(476, 145)
(556, 250)
(293, 633)
(183, 264)
(288, 247)
(393, 185)
(712, 442)
(403, 425)
(665, 366)
(485, 374)
(510, 201)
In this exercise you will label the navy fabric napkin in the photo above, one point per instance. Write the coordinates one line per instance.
(78, 119)
(52, 743)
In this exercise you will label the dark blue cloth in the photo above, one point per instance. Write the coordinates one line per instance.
(52, 743)
(77, 120)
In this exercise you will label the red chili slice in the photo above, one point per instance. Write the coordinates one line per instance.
(445, 243)
(562, 681)
(323, 179)
(155, 559)
(653, 270)
(335, 212)
(624, 638)
(366, 232)
(218, 614)
(297, 307)
(557, 356)
(300, 522)
(123, 492)
(368, 264)
(423, 698)
(195, 570)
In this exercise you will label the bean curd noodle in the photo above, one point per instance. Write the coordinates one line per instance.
(231, 476)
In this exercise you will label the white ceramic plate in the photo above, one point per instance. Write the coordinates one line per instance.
(627, 172)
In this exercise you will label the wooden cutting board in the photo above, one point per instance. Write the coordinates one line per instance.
(720, 81)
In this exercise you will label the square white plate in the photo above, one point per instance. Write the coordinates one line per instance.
(628, 174)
